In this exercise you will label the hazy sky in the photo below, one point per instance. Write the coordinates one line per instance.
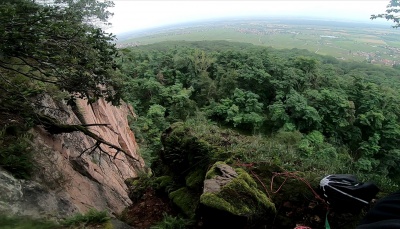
(131, 15)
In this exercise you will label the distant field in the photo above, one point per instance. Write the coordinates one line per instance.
(376, 45)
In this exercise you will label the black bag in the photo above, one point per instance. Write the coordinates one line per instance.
(344, 192)
(385, 214)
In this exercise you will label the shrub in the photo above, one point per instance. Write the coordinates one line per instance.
(171, 222)
(93, 216)
(139, 185)
(16, 153)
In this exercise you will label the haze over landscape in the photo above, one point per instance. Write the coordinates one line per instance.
(342, 29)
(140, 15)
(199, 114)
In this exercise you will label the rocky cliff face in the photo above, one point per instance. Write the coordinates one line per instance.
(67, 181)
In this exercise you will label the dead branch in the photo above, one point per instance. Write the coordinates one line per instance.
(53, 127)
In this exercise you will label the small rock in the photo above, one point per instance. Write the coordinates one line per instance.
(117, 224)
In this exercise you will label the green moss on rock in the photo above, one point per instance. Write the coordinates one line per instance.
(185, 200)
(195, 179)
(213, 171)
(163, 182)
(246, 177)
(239, 197)
(214, 201)
(185, 149)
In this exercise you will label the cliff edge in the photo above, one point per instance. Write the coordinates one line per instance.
(70, 176)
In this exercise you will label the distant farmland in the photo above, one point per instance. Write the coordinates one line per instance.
(347, 41)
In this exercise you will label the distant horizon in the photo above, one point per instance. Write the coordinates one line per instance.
(122, 36)
(131, 16)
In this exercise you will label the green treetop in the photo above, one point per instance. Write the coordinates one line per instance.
(52, 43)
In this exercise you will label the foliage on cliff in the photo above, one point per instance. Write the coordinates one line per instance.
(53, 45)
(51, 48)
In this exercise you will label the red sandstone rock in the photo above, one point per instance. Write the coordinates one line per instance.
(89, 181)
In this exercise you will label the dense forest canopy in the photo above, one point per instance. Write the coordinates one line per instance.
(265, 110)
(339, 107)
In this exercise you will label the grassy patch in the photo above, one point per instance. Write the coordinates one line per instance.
(12, 222)
(91, 217)
(171, 222)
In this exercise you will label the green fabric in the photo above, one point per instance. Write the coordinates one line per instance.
(327, 226)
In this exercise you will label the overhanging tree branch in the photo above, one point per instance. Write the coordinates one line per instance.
(25, 74)
(58, 47)
(392, 13)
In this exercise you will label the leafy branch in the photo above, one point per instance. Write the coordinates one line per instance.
(392, 13)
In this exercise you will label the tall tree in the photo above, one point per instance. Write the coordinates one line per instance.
(52, 44)
(52, 47)
(93, 12)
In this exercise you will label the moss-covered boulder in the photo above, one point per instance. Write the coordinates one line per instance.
(185, 200)
(182, 165)
(186, 151)
(185, 157)
(195, 179)
(183, 151)
(228, 194)
(235, 192)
